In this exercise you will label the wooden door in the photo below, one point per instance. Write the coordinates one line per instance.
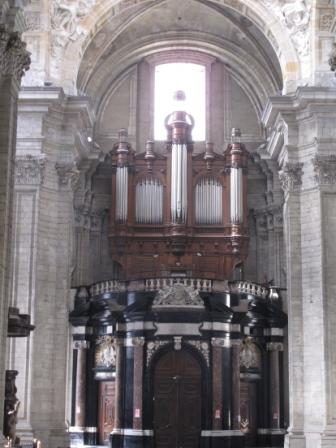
(177, 401)
(106, 410)
(248, 412)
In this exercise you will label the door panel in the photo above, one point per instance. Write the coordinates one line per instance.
(177, 401)
(106, 410)
(248, 412)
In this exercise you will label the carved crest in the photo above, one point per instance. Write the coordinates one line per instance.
(178, 295)
(105, 352)
(250, 355)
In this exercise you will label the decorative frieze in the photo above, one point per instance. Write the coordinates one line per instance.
(14, 58)
(291, 177)
(29, 169)
(325, 169)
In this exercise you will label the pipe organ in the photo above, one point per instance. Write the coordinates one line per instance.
(179, 212)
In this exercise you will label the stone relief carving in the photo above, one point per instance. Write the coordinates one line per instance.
(291, 177)
(202, 347)
(66, 16)
(105, 355)
(67, 174)
(249, 356)
(32, 21)
(326, 19)
(324, 169)
(29, 169)
(295, 15)
(152, 347)
(178, 295)
(14, 58)
(332, 58)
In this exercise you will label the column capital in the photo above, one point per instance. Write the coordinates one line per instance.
(291, 177)
(78, 345)
(29, 169)
(68, 174)
(324, 169)
(275, 346)
(14, 58)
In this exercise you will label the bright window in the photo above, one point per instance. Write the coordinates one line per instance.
(179, 76)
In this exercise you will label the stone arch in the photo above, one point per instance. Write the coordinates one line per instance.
(269, 21)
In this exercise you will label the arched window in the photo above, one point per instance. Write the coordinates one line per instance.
(169, 78)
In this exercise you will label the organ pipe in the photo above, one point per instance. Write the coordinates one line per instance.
(208, 202)
(236, 178)
(122, 177)
(149, 202)
(121, 193)
(236, 192)
(179, 186)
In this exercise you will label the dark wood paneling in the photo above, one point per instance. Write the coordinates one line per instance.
(106, 410)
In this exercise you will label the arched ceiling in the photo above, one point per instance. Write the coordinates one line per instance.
(148, 27)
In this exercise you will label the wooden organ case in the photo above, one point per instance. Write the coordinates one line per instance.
(179, 213)
(182, 356)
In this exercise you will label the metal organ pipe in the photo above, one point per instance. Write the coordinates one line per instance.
(121, 193)
(208, 202)
(179, 186)
(149, 202)
(236, 193)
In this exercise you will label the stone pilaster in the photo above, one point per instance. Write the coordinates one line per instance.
(14, 61)
(305, 152)
(29, 175)
(52, 133)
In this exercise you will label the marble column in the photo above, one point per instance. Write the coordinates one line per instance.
(274, 349)
(138, 343)
(217, 385)
(77, 429)
(80, 387)
(119, 385)
(14, 60)
(235, 375)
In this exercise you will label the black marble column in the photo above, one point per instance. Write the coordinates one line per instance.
(235, 365)
(117, 433)
(77, 429)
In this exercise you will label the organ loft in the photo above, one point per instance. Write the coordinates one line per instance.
(178, 349)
